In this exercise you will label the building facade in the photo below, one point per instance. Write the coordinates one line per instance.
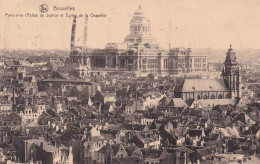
(227, 87)
(138, 53)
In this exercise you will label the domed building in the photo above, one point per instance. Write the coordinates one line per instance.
(140, 29)
(139, 53)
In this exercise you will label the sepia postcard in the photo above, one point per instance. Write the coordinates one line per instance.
(129, 81)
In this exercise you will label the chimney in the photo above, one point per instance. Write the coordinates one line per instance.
(41, 145)
(57, 128)
(53, 125)
(85, 34)
(73, 31)
(109, 30)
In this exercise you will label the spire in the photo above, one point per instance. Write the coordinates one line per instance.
(73, 30)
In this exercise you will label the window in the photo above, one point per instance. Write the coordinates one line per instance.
(198, 97)
(213, 96)
(205, 96)
(166, 63)
(227, 96)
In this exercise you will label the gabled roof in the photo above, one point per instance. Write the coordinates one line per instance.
(152, 153)
(189, 102)
(208, 151)
(102, 137)
(165, 100)
(244, 118)
(210, 102)
(178, 103)
(197, 85)
(173, 102)
(130, 149)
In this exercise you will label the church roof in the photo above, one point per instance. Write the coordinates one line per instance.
(213, 102)
(196, 85)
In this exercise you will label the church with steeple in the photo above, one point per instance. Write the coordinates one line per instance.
(225, 90)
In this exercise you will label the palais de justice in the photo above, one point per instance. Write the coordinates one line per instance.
(139, 53)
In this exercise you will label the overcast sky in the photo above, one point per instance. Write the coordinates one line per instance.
(194, 23)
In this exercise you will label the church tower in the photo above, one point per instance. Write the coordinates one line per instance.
(231, 74)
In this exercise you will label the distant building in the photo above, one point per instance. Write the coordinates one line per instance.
(139, 53)
(227, 88)
(5, 106)
(41, 150)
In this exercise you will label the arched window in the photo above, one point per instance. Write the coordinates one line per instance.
(227, 96)
(220, 96)
(205, 96)
(198, 97)
(213, 96)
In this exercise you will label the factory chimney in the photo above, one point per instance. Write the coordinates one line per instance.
(73, 30)
(85, 34)
(169, 35)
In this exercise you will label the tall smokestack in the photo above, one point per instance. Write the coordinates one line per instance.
(85, 34)
(169, 35)
(73, 30)
(109, 30)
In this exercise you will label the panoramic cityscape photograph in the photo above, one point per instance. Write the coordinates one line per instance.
(129, 82)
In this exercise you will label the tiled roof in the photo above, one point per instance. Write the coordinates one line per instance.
(102, 137)
(174, 102)
(151, 153)
(244, 118)
(193, 85)
(211, 102)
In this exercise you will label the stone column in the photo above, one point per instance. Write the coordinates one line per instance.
(117, 61)
(106, 61)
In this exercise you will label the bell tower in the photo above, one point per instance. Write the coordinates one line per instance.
(231, 74)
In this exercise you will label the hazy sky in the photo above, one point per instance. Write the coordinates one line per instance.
(198, 23)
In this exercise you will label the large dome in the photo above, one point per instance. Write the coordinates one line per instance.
(139, 11)
(140, 28)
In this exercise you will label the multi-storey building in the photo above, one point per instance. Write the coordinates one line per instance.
(138, 53)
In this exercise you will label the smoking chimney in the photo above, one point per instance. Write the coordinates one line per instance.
(85, 34)
(73, 30)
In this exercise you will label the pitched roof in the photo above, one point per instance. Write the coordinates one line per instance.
(178, 103)
(103, 137)
(193, 85)
(151, 153)
(211, 102)
(244, 118)
(189, 102)
(208, 151)
(165, 100)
